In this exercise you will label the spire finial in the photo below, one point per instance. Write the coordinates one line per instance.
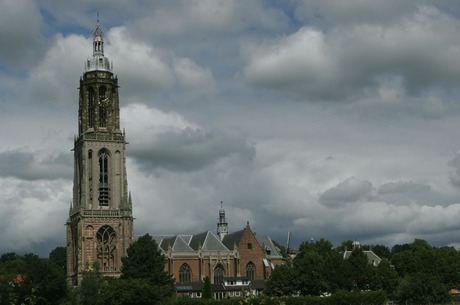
(98, 15)
(221, 204)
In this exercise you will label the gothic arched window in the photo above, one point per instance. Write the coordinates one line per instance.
(104, 190)
(102, 107)
(250, 271)
(185, 275)
(106, 239)
(218, 274)
(91, 105)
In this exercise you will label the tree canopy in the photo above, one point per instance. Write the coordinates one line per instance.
(145, 261)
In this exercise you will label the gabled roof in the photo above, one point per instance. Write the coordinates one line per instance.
(371, 257)
(176, 242)
(183, 243)
(230, 240)
(180, 245)
(266, 243)
(207, 241)
(198, 240)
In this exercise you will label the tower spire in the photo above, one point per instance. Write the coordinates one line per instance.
(222, 225)
(98, 61)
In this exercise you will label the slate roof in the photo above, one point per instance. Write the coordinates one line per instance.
(371, 257)
(230, 240)
(267, 243)
(211, 242)
(183, 243)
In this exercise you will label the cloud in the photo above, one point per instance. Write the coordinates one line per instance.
(149, 71)
(401, 187)
(35, 165)
(454, 174)
(168, 141)
(346, 63)
(348, 191)
(36, 203)
(54, 79)
(21, 41)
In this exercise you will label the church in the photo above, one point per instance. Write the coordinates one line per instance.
(100, 223)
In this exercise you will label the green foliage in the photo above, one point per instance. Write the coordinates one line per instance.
(30, 280)
(207, 289)
(381, 251)
(134, 292)
(282, 249)
(385, 278)
(281, 282)
(59, 257)
(91, 284)
(145, 261)
(422, 288)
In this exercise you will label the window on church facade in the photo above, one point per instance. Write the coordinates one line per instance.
(91, 106)
(250, 270)
(106, 238)
(102, 108)
(218, 274)
(185, 274)
(104, 178)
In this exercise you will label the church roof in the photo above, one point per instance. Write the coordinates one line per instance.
(267, 244)
(207, 241)
(230, 240)
(186, 242)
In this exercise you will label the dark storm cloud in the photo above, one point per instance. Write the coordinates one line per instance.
(401, 187)
(21, 42)
(348, 191)
(190, 150)
(27, 165)
(454, 175)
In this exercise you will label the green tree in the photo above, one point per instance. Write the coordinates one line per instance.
(282, 281)
(309, 266)
(91, 285)
(359, 270)
(283, 250)
(207, 289)
(133, 292)
(422, 288)
(386, 278)
(59, 257)
(381, 251)
(145, 261)
(9, 256)
(43, 281)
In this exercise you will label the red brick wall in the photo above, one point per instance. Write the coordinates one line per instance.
(254, 255)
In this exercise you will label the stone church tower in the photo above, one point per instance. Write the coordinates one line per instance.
(100, 223)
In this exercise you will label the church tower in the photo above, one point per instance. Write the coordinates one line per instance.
(100, 223)
(222, 225)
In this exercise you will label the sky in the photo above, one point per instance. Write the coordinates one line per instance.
(327, 119)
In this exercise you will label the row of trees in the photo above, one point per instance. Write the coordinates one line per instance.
(31, 280)
(415, 273)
